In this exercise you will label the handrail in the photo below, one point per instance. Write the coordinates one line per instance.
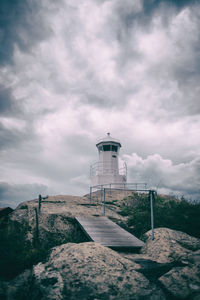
(151, 193)
(124, 184)
(98, 168)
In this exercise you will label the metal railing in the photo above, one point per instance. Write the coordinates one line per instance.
(139, 187)
(126, 185)
(102, 168)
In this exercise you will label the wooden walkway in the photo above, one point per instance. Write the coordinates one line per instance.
(107, 233)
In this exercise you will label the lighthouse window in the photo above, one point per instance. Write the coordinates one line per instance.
(100, 148)
(106, 147)
(114, 148)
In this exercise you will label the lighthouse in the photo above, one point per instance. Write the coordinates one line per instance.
(107, 169)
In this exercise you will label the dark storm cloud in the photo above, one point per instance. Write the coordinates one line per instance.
(13, 194)
(152, 6)
(10, 138)
(142, 17)
(21, 24)
(8, 105)
(182, 67)
(16, 130)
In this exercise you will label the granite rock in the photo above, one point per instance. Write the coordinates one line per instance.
(84, 271)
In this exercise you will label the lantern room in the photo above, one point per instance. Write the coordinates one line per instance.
(107, 170)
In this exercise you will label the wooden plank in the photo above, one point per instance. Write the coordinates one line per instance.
(104, 231)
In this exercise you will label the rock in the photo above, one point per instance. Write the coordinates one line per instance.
(56, 224)
(84, 271)
(182, 282)
(27, 230)
(194, 257)
(170, 246)
(177, 250)
(148, 267)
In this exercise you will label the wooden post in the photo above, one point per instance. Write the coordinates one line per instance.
(39, 203)
(36, 227)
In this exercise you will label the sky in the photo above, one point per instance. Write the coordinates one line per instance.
(72, 70)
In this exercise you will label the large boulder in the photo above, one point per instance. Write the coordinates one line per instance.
(83, 271)
(170, 246)
(180, 253)
(28, 233)
(184, 282)
(55, 222)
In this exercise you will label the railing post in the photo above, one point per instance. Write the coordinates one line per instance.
(104, 201)
(110, 189)
(90, 195)
(101, 194)
(124, 191)
(152, 216)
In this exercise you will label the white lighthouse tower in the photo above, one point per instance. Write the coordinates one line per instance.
(107, 170)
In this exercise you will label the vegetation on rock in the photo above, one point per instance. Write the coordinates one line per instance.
(168, 212)
(17, 253)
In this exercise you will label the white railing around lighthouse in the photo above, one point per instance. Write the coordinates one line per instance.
(100, 168)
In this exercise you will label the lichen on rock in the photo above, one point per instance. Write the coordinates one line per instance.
(88, 271)
(169, 245)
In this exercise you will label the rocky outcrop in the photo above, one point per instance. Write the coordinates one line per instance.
(167, 267)
(170, 246)
(56, 224)
(83, 271)
(179, 253)
(184, 282)
(28, 233)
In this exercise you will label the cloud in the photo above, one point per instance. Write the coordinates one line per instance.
(22, 25)
(12, 194)
(70, 71)
(7, 102)
(162, 174)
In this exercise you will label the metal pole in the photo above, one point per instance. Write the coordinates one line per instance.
(101, 194)
(152, 217)
(90, 195)
(104, 201)
(110, 189)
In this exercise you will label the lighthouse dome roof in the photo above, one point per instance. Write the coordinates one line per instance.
(108, 139)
